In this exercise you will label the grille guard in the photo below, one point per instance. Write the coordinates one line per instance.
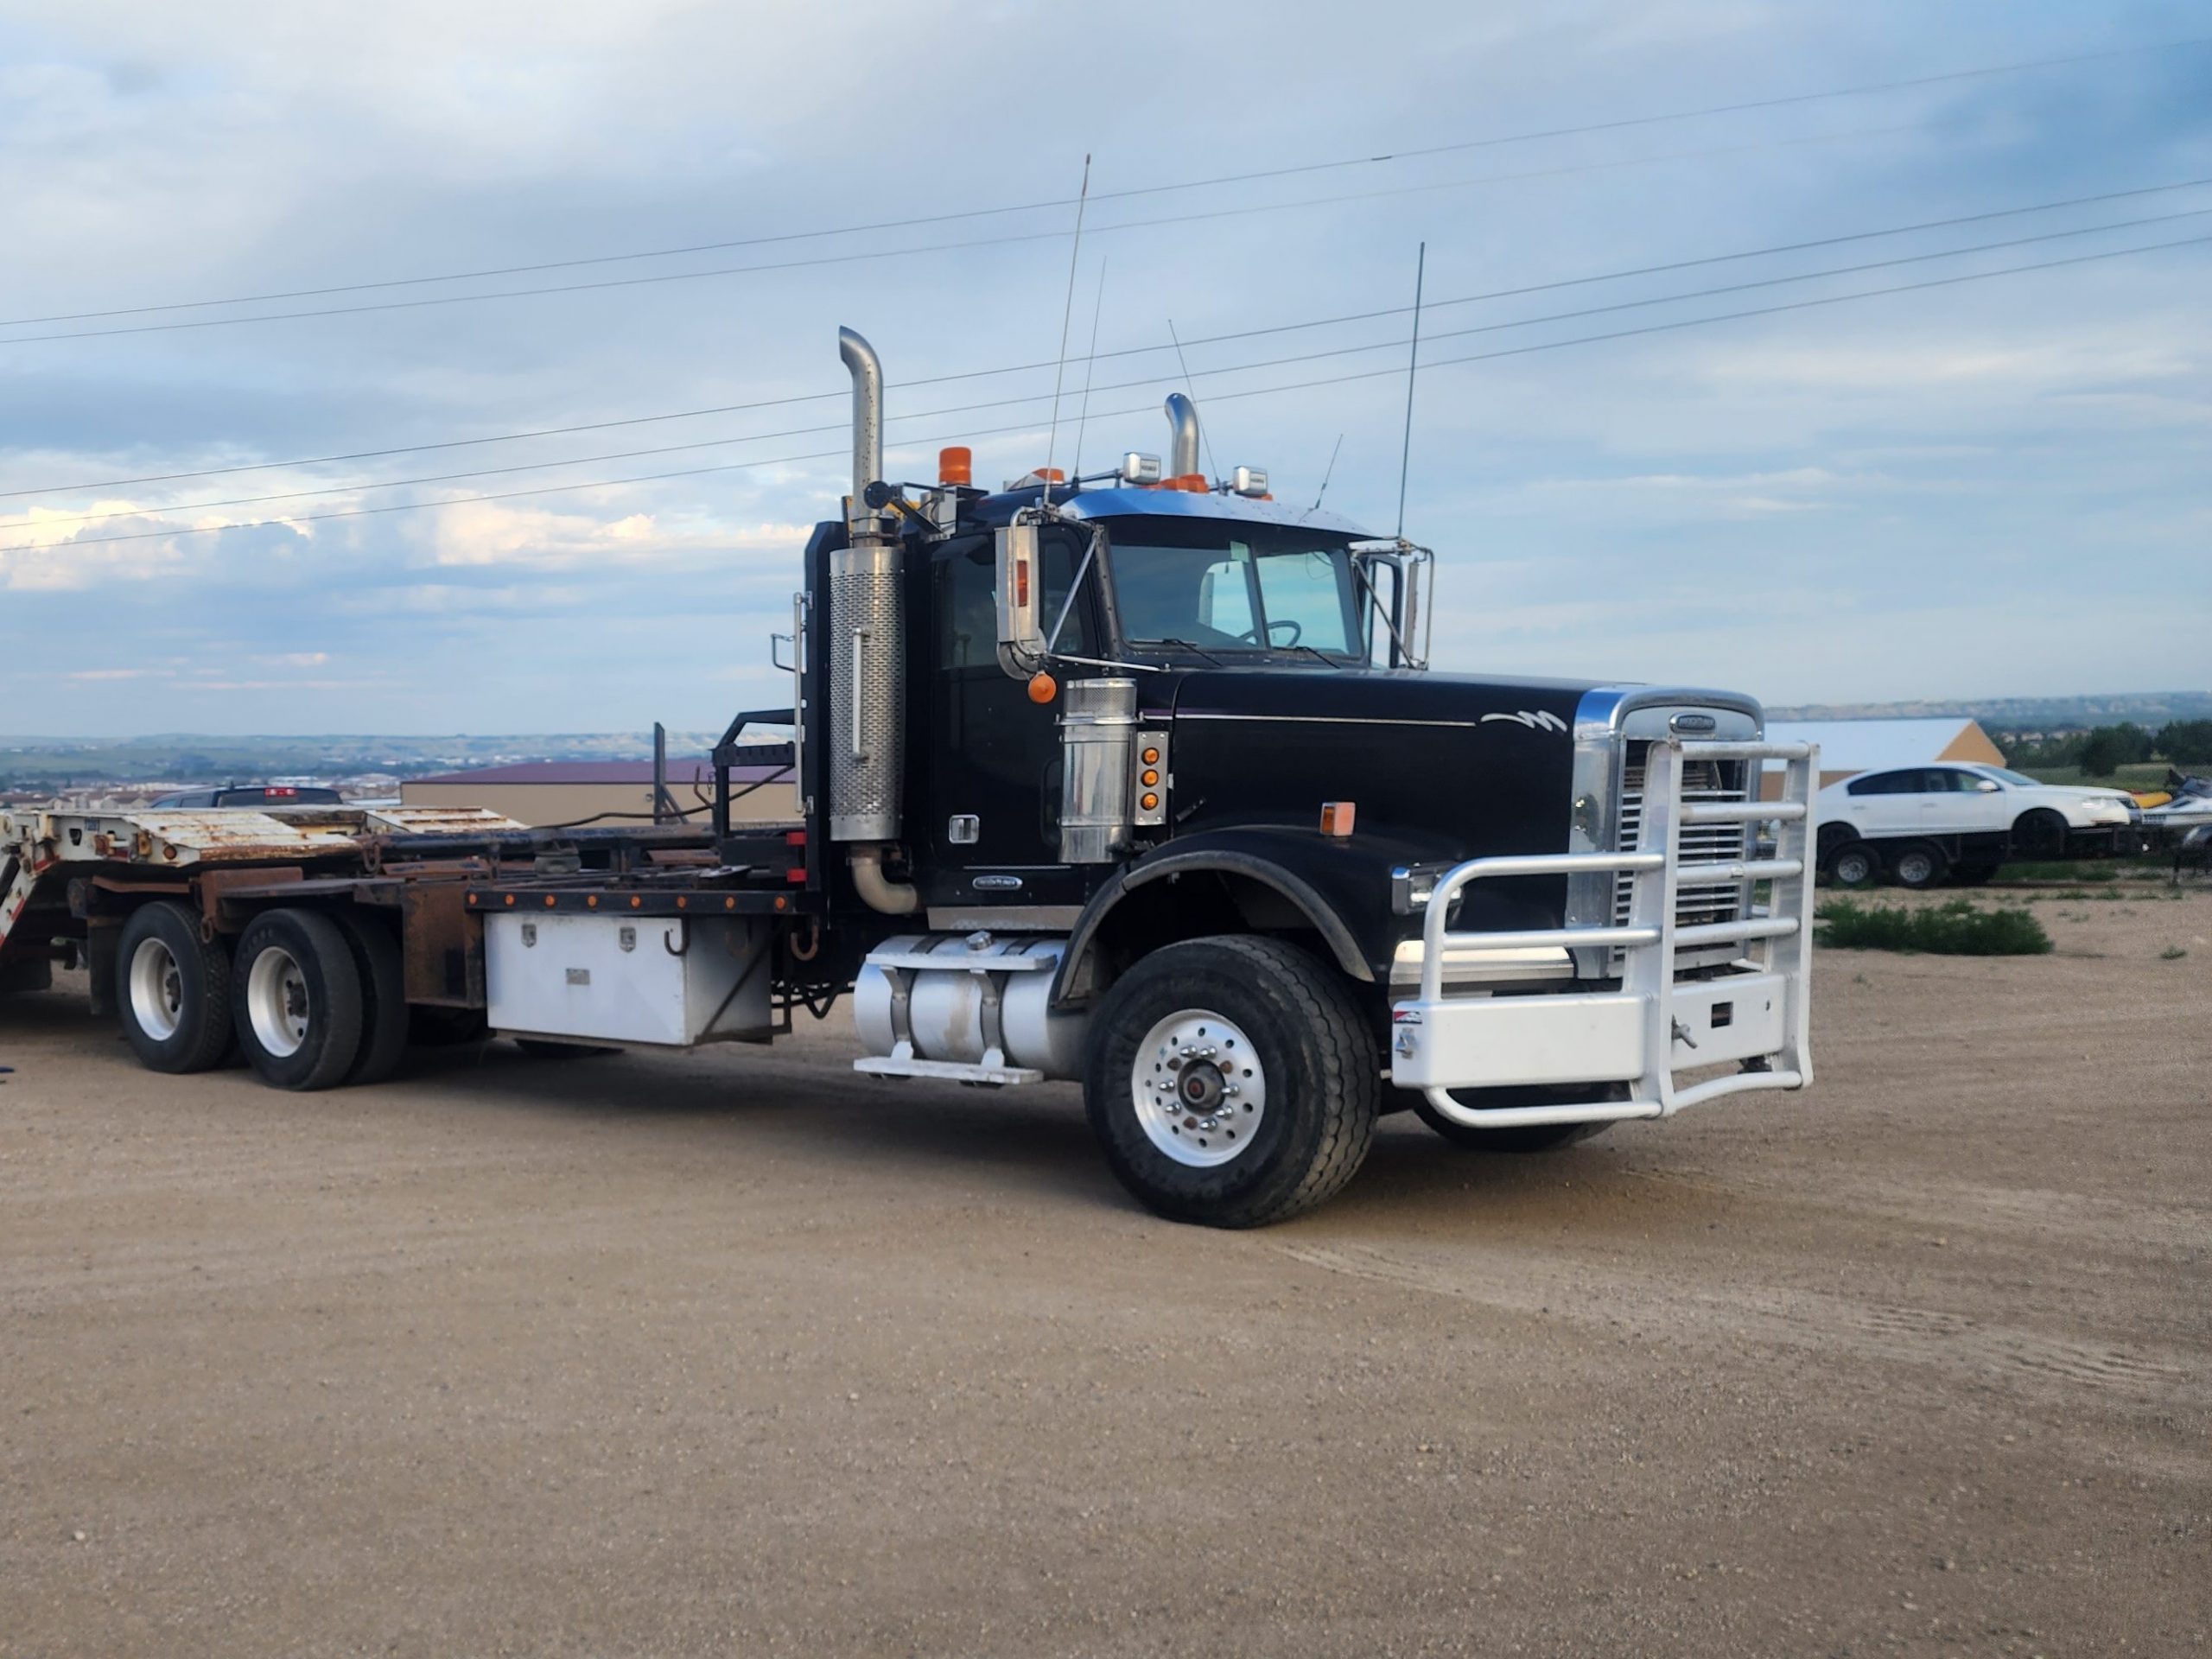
(1754, 1012)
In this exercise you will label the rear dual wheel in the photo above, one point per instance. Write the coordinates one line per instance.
(319, 1000)
(173, 989)
(1855, 864)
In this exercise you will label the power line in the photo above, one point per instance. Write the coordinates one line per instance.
(1253, 176)
(612, 282)
(1130, 351)
(1256, 391)
(1182, 368)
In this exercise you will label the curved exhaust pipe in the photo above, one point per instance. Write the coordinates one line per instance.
(866, 651)
(867, 369)
(1183, 445)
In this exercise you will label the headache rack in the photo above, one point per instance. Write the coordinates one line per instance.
(1749, 1013)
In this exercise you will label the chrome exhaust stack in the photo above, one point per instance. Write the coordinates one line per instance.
(1182, 443)
(867, 642)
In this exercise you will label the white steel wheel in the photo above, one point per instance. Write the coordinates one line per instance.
(276, 1002)
(156, 983)
(301, 1007)
(1199, 1088)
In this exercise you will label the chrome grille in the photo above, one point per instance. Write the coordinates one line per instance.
(1695, 902)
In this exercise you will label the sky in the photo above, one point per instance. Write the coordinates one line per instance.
(1992, 487)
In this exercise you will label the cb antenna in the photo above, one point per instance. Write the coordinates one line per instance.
(1412, 366)
(1067, 311)
(1327, 473)
(1098, 304)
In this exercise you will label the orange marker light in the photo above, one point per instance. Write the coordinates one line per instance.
(956, 465)
(1336, 818)
(1149, 779)
(1151, 757)
(1151, 802)
(1043, 688)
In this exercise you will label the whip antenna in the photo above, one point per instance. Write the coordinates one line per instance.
(1067, 311)
(1412, 366)
(1098, 304)
(1327, 473)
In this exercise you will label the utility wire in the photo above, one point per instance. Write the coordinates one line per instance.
(611, 283)
(1255, 392)
(1183, 370)
(1252, 177)
(1130, 351)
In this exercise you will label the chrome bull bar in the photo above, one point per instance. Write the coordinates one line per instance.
(1753, 1013)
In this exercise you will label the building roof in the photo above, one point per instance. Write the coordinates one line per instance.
(1849, 745)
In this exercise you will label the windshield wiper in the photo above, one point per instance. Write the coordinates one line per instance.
(1185, 645)
(1312, 650)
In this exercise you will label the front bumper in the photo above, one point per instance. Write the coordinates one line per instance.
(1752, 1014)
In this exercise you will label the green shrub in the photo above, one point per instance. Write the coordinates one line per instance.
(1957, 929)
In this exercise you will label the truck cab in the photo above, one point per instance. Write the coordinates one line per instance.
(1083, 748)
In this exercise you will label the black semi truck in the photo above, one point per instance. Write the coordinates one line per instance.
(1138, 779)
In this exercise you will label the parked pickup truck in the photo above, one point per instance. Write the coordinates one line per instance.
(1923, 824)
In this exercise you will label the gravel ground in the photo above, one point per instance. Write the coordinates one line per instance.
(737, 1352)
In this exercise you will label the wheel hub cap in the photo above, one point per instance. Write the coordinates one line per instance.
(1199, 1088)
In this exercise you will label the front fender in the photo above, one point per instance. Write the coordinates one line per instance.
(1341, 887)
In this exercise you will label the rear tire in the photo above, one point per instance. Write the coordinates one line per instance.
(1232, 1081)
(1919, 865)
(1855, 864)
(173, 989)
(383, 993)
(297, 1000)
(1521, 1137)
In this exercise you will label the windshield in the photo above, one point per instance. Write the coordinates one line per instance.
(1231, 587)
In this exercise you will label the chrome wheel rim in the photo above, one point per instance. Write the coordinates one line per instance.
(1853, 868)
(276, 1003)
(1198, 1087)
(156, 990)
(1914, 870)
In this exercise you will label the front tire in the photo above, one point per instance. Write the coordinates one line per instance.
(297, 1000)
(173, 989)
(1232, 1081)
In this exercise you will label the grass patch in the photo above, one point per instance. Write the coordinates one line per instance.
(2063, 870)
(1957, 929)
(2172, 953)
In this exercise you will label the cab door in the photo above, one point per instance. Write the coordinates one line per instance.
(988, 774)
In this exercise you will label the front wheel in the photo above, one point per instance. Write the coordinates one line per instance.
(1232, 1081)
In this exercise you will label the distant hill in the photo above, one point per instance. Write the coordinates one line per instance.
(186, 757)
(2150, 709)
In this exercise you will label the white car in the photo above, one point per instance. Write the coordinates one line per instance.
(1921, 823)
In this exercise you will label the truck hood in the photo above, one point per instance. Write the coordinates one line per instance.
(1437, 766)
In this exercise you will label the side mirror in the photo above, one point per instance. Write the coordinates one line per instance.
(1022, 601)
(1988, 786)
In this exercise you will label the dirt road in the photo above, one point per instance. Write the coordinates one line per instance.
(738, 1353)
